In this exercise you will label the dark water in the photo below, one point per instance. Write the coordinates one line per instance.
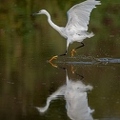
(84, 87)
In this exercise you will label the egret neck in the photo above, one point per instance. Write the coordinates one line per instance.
(51, 23)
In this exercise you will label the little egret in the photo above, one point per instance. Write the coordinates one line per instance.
(77, 25)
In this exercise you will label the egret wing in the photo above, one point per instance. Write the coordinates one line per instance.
(79, 15)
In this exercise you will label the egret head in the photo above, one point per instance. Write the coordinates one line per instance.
(43, 11)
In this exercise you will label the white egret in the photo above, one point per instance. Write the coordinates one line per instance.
(77, 25)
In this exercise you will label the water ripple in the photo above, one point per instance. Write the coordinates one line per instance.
(89, 60)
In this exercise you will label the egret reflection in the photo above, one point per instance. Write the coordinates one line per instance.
(75, 95)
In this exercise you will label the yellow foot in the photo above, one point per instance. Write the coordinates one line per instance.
(73, 51)
(53, 58)
(73, 70)
(54, 65)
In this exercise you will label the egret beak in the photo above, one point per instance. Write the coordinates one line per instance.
(36, 13)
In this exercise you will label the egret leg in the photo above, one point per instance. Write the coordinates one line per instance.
(54, 65)
(73, 51)
(56, 56)
(53, 58)
(64, 53)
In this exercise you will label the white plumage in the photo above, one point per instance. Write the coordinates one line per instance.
(78, 20)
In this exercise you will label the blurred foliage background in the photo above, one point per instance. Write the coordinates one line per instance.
(27, 41)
